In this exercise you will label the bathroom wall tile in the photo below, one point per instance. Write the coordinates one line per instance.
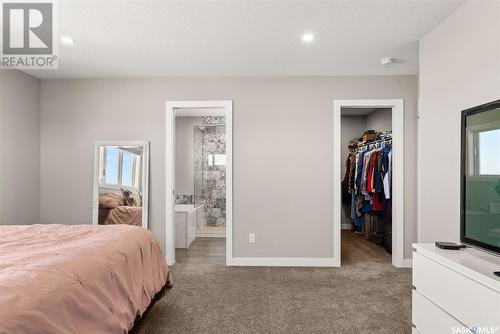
(183, 199)
(213, 177)
(213, 120)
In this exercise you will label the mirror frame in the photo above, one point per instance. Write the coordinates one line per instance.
(145, 178)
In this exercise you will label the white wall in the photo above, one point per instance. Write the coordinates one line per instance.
(19, 148)
(184, 165)
(459, 69)
(283, 144)
(379, 120)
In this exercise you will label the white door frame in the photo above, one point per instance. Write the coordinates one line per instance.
(397, 107)
(171, 106)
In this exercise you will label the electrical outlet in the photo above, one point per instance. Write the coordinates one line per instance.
(251, 238)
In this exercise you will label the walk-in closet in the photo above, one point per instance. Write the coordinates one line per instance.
(366, 183)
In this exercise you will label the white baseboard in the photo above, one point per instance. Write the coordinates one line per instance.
(406, 263)
(346, 226)
(284, 262)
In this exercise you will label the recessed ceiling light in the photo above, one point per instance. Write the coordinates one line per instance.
(67, 40)
(386, 60)
(307, 37)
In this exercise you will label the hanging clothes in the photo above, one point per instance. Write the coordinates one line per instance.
(346, 196)
(388, 176)
(366, 185)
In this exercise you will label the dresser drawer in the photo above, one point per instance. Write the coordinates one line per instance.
(430, 319)
(463, 298)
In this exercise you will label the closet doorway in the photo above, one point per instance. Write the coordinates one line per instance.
(368, 202)
(199, 182)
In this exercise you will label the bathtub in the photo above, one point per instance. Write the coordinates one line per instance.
(187, 218)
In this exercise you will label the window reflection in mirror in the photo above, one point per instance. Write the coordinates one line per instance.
(121, 166)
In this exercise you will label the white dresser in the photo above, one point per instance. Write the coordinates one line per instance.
(455, 291)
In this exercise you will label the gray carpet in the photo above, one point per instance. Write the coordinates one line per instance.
(366, 295)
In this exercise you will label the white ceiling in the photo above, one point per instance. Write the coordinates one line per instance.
(242, 38)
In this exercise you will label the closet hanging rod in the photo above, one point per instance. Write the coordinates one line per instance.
(374, 142)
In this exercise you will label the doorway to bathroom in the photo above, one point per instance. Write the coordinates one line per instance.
(199, 187)
(368, 187)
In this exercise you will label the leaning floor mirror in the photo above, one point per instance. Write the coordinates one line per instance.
(121, 177)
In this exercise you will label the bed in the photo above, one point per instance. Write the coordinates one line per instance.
(115, 209)
(77, 278)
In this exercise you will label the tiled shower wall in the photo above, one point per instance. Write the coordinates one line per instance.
(210, 180)
(183, 199)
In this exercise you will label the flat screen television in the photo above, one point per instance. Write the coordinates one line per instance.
(480, 177)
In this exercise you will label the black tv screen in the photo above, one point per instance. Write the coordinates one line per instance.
(480, 186)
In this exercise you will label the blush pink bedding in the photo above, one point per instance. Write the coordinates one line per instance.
(131, 215)
(77, 278)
